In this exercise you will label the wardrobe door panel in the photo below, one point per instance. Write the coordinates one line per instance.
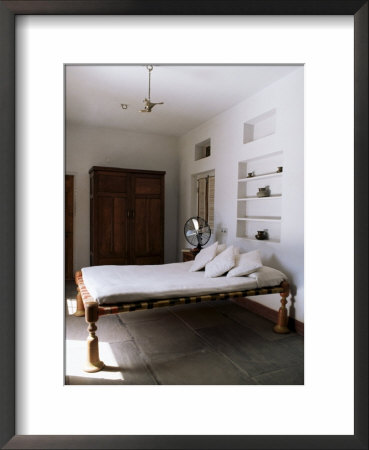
(155, 225)
(114, 183)
(148, 235)
(147, 185)
(112, 230)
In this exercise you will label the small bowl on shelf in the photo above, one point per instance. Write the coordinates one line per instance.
(261, 235)
(263, 192)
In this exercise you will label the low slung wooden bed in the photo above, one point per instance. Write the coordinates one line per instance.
(90, 307)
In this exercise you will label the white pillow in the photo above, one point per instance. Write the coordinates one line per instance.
(221, 263)
(267, 276)
(221, 248)
(203, 257)
(245, 264)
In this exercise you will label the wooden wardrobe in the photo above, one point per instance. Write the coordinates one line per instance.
(126, 216)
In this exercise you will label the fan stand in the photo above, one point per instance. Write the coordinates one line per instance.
(198, 248)
(194, 251)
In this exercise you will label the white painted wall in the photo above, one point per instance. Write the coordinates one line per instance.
(227, 149)
(89, 146)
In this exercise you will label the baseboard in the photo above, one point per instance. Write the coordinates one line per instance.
(270, 314)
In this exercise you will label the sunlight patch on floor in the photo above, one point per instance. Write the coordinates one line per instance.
(75, 360)
(71, 306)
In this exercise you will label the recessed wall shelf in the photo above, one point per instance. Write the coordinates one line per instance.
(271, 197)
(273, 241)
(260, 177)
(260, 213)
(202, 149)
(260, 219)
(259, 127)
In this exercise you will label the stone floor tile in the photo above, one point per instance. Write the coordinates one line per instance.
(200, 368)
(201, 317)
(293, 375)
(258, 324)
(165, 338)
(244, 348)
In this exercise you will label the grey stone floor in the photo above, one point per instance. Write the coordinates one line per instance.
(214, 343)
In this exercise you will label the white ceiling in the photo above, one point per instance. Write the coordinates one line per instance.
(191, 94)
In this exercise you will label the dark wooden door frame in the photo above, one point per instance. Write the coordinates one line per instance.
(69, 226)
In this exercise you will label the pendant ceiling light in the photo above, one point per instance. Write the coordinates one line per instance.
(148, 104)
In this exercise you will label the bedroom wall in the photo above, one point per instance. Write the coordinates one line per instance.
(89, 146)
(286, 96)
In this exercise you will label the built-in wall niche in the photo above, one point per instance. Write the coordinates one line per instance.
(249, 229)
(202, 149)
(267, 166)
(267, 208)
(259, 127)
(259, 197)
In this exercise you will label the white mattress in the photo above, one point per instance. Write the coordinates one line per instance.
(120, 284)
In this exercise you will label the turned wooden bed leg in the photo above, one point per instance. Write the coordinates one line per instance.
(80, 306)
(281, 326)
(93, 363)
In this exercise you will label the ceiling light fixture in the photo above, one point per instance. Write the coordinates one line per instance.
(148, 104)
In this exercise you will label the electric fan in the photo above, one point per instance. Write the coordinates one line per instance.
(197, 232)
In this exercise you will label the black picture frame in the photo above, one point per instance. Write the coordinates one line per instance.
(8, 11)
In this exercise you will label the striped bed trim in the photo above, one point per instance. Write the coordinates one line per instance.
(160, 303)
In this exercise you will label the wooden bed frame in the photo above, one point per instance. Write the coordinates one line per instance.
(88, 307)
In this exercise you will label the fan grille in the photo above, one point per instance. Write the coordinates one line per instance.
(197, 231)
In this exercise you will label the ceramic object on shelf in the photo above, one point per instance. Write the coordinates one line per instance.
(263, 192)
(250, 174)
(261, 235)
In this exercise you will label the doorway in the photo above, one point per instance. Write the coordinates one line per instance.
(69, 213)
